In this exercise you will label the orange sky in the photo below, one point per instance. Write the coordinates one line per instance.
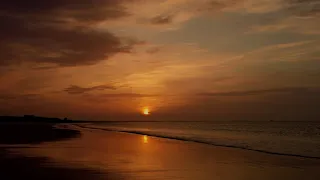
(183, 59)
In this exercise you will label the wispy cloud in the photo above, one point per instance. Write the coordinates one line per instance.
(301, 25)
(257, 92)
(304, 7)
(162, 19)
(285, 52)
(80, 90)
(19, 97)
(296, 16)
(174, 13)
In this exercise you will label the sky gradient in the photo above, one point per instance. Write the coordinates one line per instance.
(183, 59)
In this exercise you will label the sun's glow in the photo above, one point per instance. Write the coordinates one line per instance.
(146, 111)
(145, 139)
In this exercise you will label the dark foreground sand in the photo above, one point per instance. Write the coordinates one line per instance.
(109, 155)
(15, 166)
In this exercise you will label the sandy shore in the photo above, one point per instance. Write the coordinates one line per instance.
(33, 133)
(108, 155)
(28, 135)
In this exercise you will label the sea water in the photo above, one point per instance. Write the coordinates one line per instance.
(285, 138)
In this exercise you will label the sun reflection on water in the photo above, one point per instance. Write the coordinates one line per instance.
(145, 139)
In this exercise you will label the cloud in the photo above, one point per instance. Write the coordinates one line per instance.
(122, 98)
(283, 46)
(304, 7)
(59, 10)
(218, 5)
(162, 19)
(298, 16)
(297, 104)
(34, 82)
(292, 23)
(258, 92)
(20, 97)
(298, 7)
(80, 90)
(127, 95)
(285, 52)
(168, 12)
(59, 32)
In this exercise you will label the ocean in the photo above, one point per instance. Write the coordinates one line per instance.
(284, 138)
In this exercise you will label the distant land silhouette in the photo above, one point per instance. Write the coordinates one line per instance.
(31, 129)
(33, 118)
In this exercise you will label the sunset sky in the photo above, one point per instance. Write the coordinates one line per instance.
(181, 59)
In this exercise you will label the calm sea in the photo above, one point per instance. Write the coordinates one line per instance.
(287, 138)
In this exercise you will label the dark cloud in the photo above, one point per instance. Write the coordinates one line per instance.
(81, 10)
(217, 5)
(44, 67)
(213, 6)
(127, 95)
(19, 97)
(35, 81)
(114, 97)
(304, 7)
(257, 92)
(270, 104)
(207, 7)
(162, 19)
(58, 32)
(80, 90)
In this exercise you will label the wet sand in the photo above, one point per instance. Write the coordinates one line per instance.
(110, 155)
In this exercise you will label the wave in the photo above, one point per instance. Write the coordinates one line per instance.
(205, 140)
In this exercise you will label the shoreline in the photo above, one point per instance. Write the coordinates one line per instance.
(98, 154)
(33, 133)
(15, 166)
(203, 142)
(18, 166)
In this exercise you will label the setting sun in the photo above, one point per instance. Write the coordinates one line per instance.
(146, 111)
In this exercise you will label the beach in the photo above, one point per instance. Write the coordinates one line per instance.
(98, 154)
(29, 135)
